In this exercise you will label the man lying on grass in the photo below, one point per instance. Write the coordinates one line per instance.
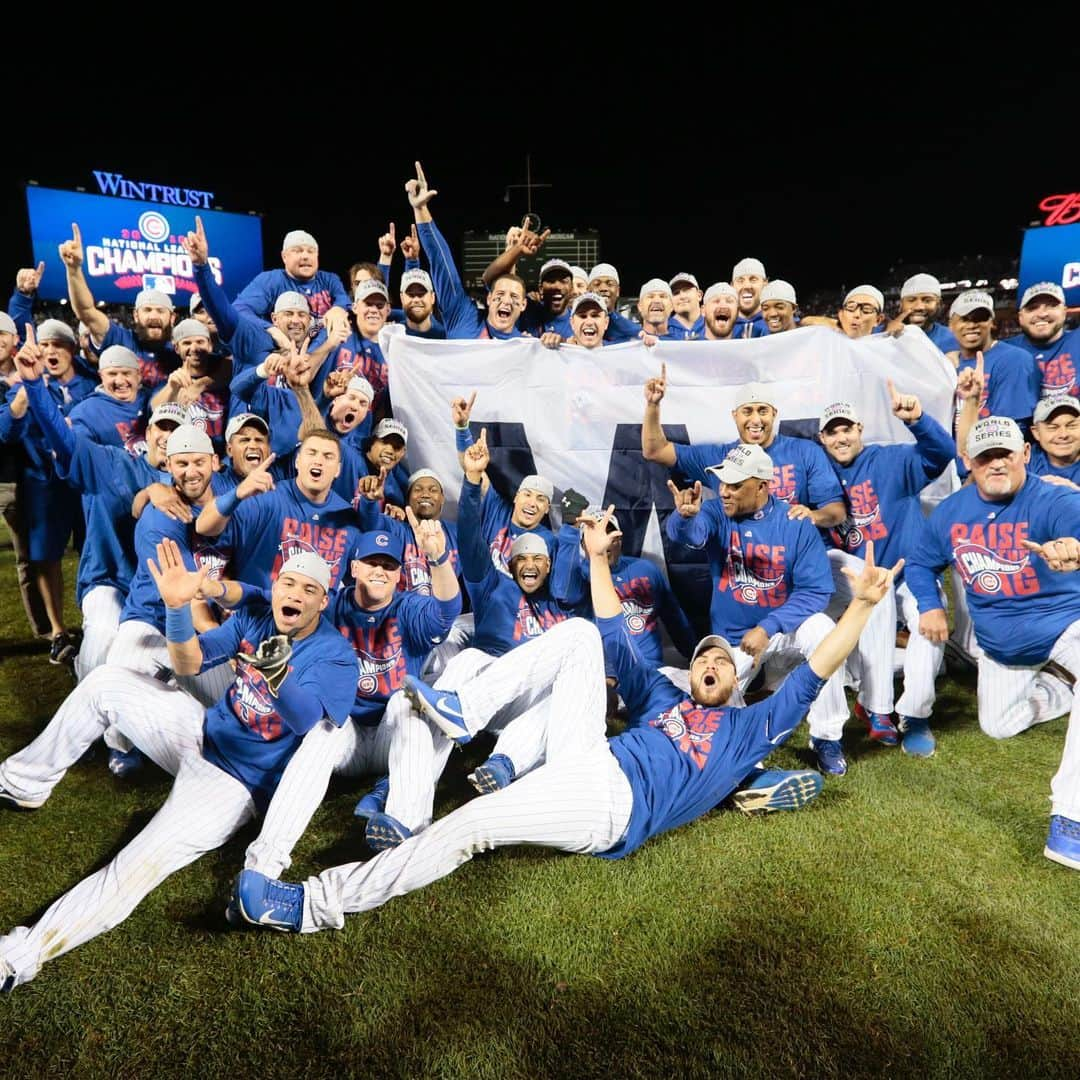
(678, 758)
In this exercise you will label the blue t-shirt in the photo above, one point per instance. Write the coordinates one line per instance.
(246, 734)
(156, 362)
(1056, 362)
(114, 423)
(681, 758)
(1040, 466)
(1019, 606)
(500, 532)
(392, 642)
(323, 291)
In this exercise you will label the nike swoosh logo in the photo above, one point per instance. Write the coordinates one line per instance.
(267, 919)
(443, 707)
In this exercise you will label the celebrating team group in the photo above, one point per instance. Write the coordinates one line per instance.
(270, 596)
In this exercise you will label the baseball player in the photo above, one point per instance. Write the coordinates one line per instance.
(1041, 315)
(861, 312)
(152, 316)
(551, 314)
(1008, 536)
(771, 582)
(52, 513)
(642, 588)
(920, 305)
(392, 633)
(293, 670)
(604, 281)
(115, 413)
(588, 324)
(720, 308)
(418, 302)
(273, 521)
(200, 383)
(581, 280)
(749, 278)
(504, 521)
(326, 296)
(505, 301)
(1056, 453)
(803, 477)
(687, 322)
(778, 303)
(655, 306)
(881, 486)
(679, 757)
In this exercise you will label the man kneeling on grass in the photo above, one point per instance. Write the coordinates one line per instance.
(679, 757)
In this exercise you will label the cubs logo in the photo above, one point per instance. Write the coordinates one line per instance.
(851, 532)
(746, 585)
(154, 226)
(690, 728)
(374, 669)
(252, 702)
(636, 616)
(986, 572)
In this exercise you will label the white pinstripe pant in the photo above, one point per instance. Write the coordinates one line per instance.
(101, 608)
(204, 808)
(829, 712)
(579, 800)
(1012, 699)
(922, 660)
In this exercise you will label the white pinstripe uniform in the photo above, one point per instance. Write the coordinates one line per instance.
(101, 608)
(579, 800)
(204, 808)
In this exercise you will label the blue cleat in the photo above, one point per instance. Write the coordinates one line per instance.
(916, 738)
(374, 802)
(1063, 842)
(879, 726)
(830, 755)
(263, 901)
(441, 707)
(778, 789)
(497, 772)
(126, 762)
(384, 832)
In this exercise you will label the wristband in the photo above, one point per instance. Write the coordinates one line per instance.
(178, 624)
(226, 504)
(441, 559)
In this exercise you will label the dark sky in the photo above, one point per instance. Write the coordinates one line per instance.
(831, 154)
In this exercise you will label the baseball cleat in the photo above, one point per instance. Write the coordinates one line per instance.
(64, 648)
(497, 772)
(778, 789)
(384, 832)
(7, 977)
(264, 901)
(126, 762)
(13, 802)
(916, 738)
(441, 707)
(1063, 841)
(374, 802)
(830, 755)
(879, 727)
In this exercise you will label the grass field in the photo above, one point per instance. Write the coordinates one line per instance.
(906, 924)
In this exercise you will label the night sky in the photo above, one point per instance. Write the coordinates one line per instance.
(832, 156)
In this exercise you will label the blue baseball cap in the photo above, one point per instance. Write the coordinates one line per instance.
(379, 543)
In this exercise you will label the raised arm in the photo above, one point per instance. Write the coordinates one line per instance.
(215, 515)
(82, 299)
(654, 443)
(605, 600)
(178, 586)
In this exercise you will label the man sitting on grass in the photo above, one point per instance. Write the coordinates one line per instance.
(678, 758)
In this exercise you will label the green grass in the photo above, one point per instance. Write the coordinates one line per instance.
(907, 924)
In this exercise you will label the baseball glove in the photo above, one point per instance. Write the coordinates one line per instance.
(272, 659)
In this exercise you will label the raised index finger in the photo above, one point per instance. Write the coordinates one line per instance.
(420, 173)
(663, 370)
(471, 401)
(30, 339)
(979, 363)
(40, 269)
(75, 234)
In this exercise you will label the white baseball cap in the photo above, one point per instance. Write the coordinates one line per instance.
(839, 410)
(188, 439)
(415, 277)
(1042, 288)
(528, 543)
(720, 288)
(779, 289)
(597, 514)
(655, 285)
(603, 270)
(170, 410)
(560, 265)
(152, 298)
(868, 291)
(682, 278)
(540, 484)
(7, 324)
(189, 328)
(579, 272)
(368, 286)
(743, 462)
(918, 284)
(994, 433)
(299, 238)
(291, 301)
(388, 427)
(755, 392)
(243, 420)
(1051, 404)
(970, 301)
(310, 565)
(748, 268)
(588, 298)
(712, 641)
(358, 384)
(422, 474)
(55, 330)
(119, 356)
